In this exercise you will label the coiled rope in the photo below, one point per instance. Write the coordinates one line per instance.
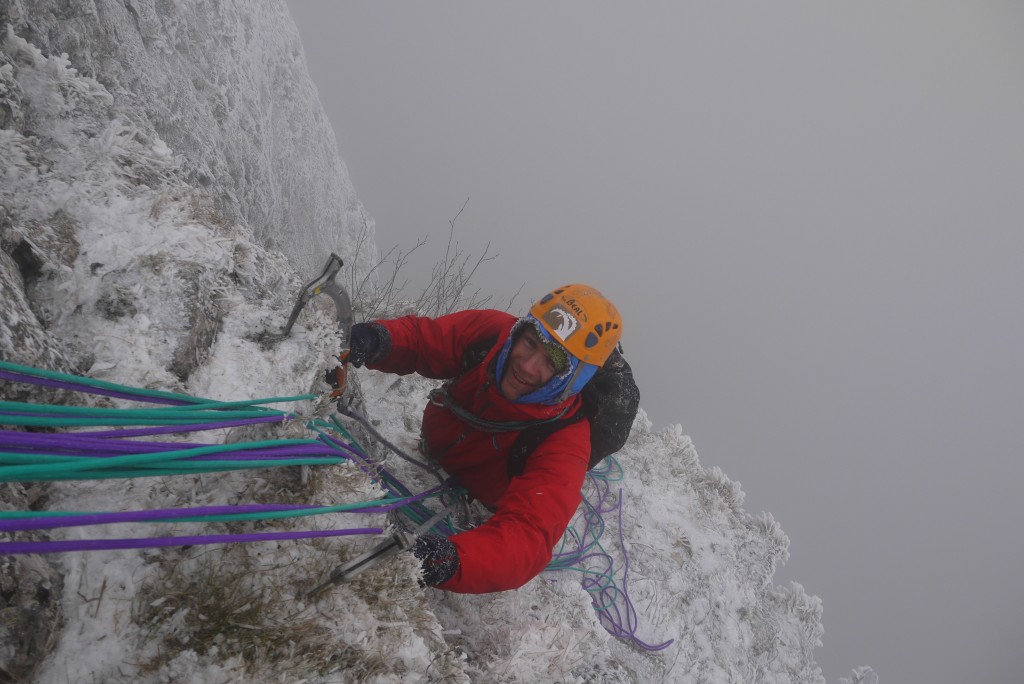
(581, 551)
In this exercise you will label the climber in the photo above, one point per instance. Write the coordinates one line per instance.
(532, 371)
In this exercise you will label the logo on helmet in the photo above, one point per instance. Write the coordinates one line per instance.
(576, 307)
(562, 323)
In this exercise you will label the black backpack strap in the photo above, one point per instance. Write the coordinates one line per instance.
(531, 438)
(611, 401)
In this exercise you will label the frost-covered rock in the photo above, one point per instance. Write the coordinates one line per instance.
(30, 609)
(122, 259)
(30, 614)
(23, 339)
(225, 86)
(138, 278)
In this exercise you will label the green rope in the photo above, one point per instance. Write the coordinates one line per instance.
(93, 382)
(67, 458)
(76, 466)
(226, 517)
(42, 415)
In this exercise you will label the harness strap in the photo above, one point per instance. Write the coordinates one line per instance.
(532, 432)
(442, 397)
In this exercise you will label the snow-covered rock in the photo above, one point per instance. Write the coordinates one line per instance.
(224, 86)
(142, 201)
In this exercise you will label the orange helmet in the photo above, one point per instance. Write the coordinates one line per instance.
(582, 320)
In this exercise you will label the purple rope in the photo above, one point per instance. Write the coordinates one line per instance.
(631, 616)
(352, 452)
(269, 454)
(105, 443)
(357, 455)
(82, 387)
(364, 462)
(51, 522)
(158, 542)
(74, 445)
(170, 429)
(592, 518)
(614, 606)
(85, 519)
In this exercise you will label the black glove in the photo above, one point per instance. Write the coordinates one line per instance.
(438, 557)
(368, 342)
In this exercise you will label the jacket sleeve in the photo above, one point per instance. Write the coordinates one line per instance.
(516, 543)
(433, 347)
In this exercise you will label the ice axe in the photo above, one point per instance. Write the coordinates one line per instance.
(398, 542)
(324, 283)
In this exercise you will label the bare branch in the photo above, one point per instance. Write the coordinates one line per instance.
(448, 287)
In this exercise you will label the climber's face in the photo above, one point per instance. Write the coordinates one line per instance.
(529, 367)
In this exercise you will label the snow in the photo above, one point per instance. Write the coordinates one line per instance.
(138, 257)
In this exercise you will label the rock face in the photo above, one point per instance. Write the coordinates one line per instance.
(26, 248)
(132, 260)
(30, 587)
(30, 591)
(225, 85)
(23, 339)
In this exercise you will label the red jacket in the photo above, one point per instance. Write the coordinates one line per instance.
(532, 510)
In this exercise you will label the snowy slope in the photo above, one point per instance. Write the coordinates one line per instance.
(120, 263)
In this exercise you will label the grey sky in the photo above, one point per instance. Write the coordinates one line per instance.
(810, 215)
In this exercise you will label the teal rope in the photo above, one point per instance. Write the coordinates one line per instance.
(75, 466)
(93, 382)
(41, 415)
(227, 517)
(62, 459)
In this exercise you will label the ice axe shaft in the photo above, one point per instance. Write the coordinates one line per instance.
(399, 541)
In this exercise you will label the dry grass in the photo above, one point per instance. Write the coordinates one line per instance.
(247, 601)
(217, 602)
